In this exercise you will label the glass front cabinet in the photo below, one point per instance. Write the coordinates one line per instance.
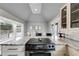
(64, 17)
(69, 14)
(74, 15)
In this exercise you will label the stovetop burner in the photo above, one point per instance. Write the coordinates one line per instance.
(39, 44)
(39, 41)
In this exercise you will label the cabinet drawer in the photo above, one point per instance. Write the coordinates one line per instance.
(59, 47)
(12, 48)
(60, 50)
(59, 53)
(13, 54)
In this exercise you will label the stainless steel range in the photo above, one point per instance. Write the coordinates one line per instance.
(39, 47)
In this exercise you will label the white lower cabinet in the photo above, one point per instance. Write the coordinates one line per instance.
(60, 50)
(0, 50)
(13, 50)
(73, 51)
(13, 54)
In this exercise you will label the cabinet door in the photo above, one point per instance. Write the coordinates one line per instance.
(13, 53)
(74, 15)
(73, 52)
(64, 17)
(12, 48)
(60, 50)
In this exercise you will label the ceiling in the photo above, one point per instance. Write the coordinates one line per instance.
(24, 11)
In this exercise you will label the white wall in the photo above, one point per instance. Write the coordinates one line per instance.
(12, 17)
(36, 20)
(42, 24)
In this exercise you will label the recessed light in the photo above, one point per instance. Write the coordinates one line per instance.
(36, 9)
(31, 27)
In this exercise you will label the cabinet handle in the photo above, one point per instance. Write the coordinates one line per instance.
(13, 55)
(12, 49)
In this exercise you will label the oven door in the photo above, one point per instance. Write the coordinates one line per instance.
(40, 54)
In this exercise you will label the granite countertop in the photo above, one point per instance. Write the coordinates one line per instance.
(18, 43)
(13, 44)
(71, 43)
(60, 42)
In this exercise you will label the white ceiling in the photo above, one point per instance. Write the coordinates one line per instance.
(35, 7)
(24, 12)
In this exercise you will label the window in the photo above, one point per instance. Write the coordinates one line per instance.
(10, 30)
(19, 32)
(35, 27)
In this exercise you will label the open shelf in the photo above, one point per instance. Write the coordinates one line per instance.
(77, 10)
(75, 21)
(63, 23)
(64, 16)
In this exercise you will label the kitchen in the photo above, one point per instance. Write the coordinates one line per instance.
(39, 29)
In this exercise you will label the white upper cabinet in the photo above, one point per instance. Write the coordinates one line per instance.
(69, 15)
(69, 20)
(64, 17)
(74, 15)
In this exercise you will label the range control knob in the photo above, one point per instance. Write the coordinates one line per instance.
(52, 46)
(49, 46)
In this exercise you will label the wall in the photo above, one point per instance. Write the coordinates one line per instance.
(72, 33)
(36, 20)
(12, 17)
(42, 24)
(5, 14)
